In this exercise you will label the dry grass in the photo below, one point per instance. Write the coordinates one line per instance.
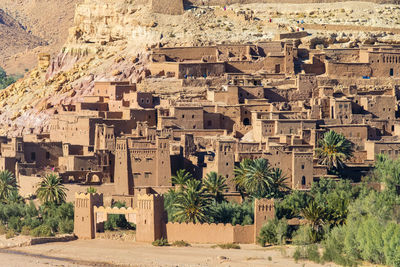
(227, 246)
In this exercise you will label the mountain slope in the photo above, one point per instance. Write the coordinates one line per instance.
(48, 20)
(14, 38)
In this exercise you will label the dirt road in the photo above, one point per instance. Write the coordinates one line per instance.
(123, 253)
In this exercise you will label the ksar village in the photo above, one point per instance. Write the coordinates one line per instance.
(199, 133)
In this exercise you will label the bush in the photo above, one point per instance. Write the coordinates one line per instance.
(308, 252)
(6, 80)
(118, 221)
(292, 205)
(273, 233)
(3, 229)
(66, 226)
(227, 246)
(91, 190)
(15, 224)
(10, 233)
(231, 212)
(303, 236)
(42, 231)
(160, 242)
(181, 243)
(26, 230)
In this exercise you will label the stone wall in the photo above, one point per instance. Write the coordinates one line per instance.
(210, 233)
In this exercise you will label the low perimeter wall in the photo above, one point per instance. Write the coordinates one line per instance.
(210, 233)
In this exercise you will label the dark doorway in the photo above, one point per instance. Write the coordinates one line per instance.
(277, 68)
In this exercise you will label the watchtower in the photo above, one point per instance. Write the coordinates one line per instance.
(264, 210)
(150, 224)
(84, 221)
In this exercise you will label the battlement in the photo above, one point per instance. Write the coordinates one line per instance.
(150, 197)
(114, 210)
(88, 195)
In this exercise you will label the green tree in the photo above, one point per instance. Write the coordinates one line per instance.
(8, 186)
(240, 175)
(316, 217)
(51, 190)
(391, 248)
(258, 178)
(215, 185)
(180, 178)
(278, 182)
(6, 80)
(333, 150)
(273, 232)
(192, 204)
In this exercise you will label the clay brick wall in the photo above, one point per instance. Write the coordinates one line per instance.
(27, 184)
(210, 233)
(200, 69)
(350, 70)
(187, 53)
(244, 66)
(164, 68)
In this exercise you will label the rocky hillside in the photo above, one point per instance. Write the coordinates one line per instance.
(14, 38)
(44, 28)
(110, 40)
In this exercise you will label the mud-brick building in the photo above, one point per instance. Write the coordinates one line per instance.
(141, 163)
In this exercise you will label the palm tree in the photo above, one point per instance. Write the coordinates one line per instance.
(91, 190)
(51, 190)
(316, 216)
(8, 185)
(258, 178)
(338, 215)
(181, 177)
(240, 175)
(279, 184)
(333, 150)
(215, 184)
(192, 204)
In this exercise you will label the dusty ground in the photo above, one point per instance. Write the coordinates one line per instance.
(112, 252)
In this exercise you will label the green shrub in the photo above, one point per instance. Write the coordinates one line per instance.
(303, 236)
(66, 226)
(42, 231)
(231, 212)
(10, 233)
(91, 190)
(118, 221)
(181, 243)
(273, 233)
(6, 80)
(391, 240)
(3, 229)
(15, 224)
(227, 246)
(160, 242)
(26, 230)
(307, 252)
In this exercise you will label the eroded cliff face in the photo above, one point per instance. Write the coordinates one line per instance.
(111, 39)
(100, 46)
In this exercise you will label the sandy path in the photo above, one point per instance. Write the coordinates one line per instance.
(10, 259)
(139, 254)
